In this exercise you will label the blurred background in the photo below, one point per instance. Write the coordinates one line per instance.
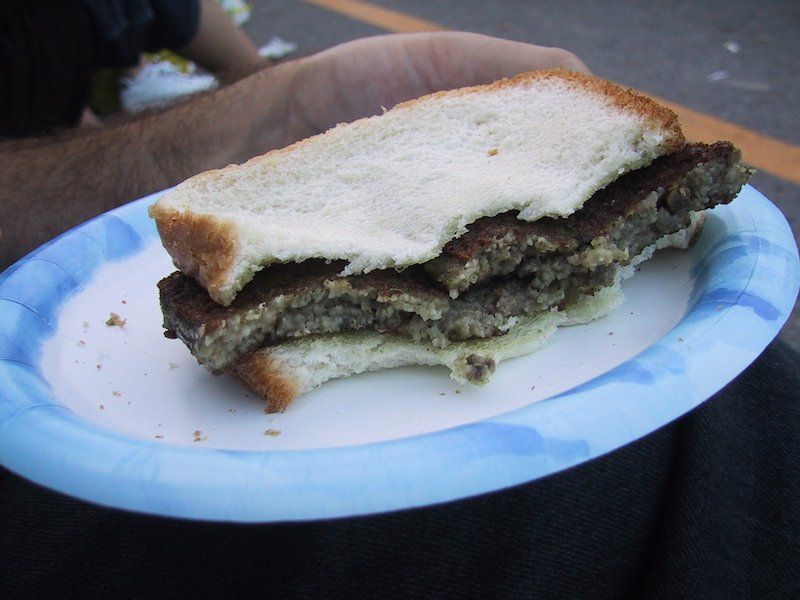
(729, 69)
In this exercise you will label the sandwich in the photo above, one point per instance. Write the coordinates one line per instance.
(458, 229)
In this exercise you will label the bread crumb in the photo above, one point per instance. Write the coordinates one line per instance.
(80, 343)
(198, 436)
(732, 47)
(159, 436)
(172, 365)
(116, 393)
(114, 320)
(493, 152)
(272, 432)
(458, 391)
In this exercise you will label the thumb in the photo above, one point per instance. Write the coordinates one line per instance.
(471, 58)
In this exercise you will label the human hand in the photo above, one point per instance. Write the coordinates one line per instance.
(358, 78)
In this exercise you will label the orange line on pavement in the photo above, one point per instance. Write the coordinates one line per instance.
(761, 151)
(387, 19)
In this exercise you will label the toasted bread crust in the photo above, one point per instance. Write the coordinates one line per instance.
(621, 97)
(201, 246)
(264, 376)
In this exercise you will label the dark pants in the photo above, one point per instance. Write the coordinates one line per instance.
(706, 507)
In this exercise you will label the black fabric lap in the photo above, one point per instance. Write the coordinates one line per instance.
(708, 506)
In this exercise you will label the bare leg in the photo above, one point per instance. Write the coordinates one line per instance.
(219, 45)
(89, 119)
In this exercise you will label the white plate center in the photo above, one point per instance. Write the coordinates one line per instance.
(134, 381)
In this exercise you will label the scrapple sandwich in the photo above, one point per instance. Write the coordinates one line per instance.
(458, 229)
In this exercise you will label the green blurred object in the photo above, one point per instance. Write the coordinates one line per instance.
(104, 95)
(184, 64)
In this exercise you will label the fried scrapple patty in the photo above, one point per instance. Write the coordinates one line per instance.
(502, 268)
(696, 177)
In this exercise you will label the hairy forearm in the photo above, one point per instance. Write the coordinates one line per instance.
(50, 185)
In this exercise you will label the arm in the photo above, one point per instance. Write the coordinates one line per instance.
(50, 185)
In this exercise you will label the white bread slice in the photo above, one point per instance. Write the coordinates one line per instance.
(392, 190)
(281, 373)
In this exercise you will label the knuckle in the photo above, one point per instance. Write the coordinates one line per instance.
(568, 60)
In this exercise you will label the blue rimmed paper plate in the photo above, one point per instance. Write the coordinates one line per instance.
(120, 416)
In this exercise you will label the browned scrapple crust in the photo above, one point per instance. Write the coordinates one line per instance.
(288, 279)
(619, 200)
(190, 312)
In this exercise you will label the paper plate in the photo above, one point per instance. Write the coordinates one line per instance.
(123, 417)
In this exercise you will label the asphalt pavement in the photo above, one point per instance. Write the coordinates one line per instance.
(736, 61)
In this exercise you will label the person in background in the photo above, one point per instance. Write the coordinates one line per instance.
(51, 52)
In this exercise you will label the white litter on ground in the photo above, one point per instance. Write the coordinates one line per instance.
(160, 84)
(277, 48)
(718, 76)
(732, 47)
